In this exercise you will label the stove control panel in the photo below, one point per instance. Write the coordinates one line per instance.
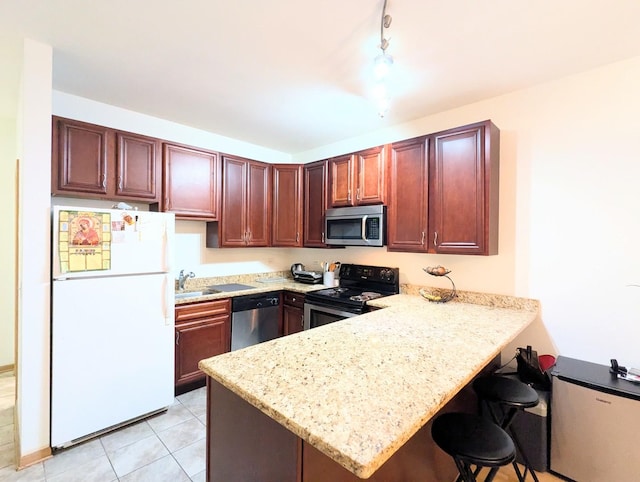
(378, 274)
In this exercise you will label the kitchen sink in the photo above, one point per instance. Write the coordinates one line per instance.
(212, 290)
(195, 294)
(230, 287)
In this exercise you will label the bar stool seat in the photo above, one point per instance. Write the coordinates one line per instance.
(512, 396)
(473, 440)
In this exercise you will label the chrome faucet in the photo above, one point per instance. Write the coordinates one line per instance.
(184, 277)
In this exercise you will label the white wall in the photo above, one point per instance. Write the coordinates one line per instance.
(73, 107)
(34, 149)
(569, 208)
(568, 215)
(8, 192)
(569, 212)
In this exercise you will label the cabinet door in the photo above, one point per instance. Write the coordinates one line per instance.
(371, 186)
(191, 182)
(203, 330)
(196, 340)
(342, 179)
(80, 153)
(408, 196)
(258, 204)
(463, 198)
(287, 205)
(293, 319)
(315, 203)
(234, 198)
(137, 167)
(293, 313)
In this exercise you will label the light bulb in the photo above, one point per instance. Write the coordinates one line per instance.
(382, 66)
(383, 106)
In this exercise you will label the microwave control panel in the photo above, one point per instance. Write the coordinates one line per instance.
(373, 228)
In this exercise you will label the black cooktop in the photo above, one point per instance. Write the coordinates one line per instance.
(358, 284)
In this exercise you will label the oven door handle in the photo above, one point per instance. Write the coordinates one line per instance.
(308, 307)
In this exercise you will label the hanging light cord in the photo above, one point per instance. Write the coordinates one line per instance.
(385, 21)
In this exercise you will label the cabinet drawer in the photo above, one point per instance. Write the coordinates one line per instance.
(202, 309)
(294, 299)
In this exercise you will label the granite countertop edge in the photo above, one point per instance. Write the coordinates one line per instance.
(287, 378)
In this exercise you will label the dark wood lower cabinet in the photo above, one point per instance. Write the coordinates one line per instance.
(245, 444)
(293, 312)
(203, 330)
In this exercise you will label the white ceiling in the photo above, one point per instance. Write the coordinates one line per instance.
(294, 75)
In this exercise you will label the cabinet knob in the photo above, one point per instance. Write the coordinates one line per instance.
(349, 195)
(297, 237)
(358, 194)
(120, 183)
(104, 181)
(422, 240)
(177, 337)
(435, 238)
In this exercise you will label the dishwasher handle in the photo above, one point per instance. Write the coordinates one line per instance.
(246, 303)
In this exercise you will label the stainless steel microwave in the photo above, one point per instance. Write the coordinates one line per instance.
(356, 226)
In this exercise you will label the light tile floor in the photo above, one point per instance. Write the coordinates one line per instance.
(167, 447)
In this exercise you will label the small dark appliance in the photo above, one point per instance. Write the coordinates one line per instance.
(303, 276)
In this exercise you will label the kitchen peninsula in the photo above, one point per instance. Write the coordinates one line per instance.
(353, 399)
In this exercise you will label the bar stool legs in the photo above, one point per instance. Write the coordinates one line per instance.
(512, 396)
(472, 440)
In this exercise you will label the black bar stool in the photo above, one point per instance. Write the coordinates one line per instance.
(473, 440)
(511, 396)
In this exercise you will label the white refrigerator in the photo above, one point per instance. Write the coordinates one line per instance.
(112, 319)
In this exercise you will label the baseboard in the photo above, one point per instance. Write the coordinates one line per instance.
(34, 458)
(7, 368)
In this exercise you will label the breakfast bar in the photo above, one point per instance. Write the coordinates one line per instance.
(353, 399)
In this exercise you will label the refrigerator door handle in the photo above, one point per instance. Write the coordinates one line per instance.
(168, 293)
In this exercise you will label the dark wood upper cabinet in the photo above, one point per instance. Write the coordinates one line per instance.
(358, 179)
(246, 203)
(191, 182)
(259, 204)
(80, 160)
(137, 166)
(372, 176)
(98, 162)
(463, 191)
(407, 213)
(316, 175)
(342, 171)
(286, 229)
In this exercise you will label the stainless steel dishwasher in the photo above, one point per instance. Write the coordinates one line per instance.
(254, 319)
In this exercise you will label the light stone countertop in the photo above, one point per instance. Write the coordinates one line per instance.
(262, 283)
(359, 388)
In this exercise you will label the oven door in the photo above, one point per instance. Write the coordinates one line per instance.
(316, 315)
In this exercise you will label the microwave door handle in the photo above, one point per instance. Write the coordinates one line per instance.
(364, 228)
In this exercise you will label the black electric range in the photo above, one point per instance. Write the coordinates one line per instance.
(358, 284)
